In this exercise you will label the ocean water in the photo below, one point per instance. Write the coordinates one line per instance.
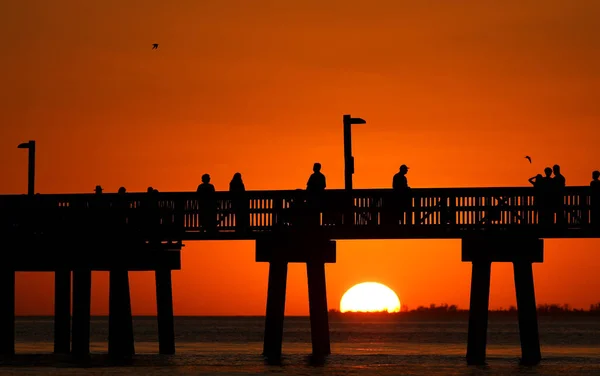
(363, 346)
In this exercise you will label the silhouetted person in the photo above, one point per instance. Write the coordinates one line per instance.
(239, 203)
(559, 194)
(315, 187)
(402, 195)
(207, 204)
(316, 183)
(595, 198)
(400, 181)
(98, 212)
(538, 198)
(546, 200)
(151, 212)
(121, 207)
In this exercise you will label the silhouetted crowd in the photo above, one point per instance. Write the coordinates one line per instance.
(549, 195)
(548, 199)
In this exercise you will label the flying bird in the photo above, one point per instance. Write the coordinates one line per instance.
(528, 158)
(155, 46)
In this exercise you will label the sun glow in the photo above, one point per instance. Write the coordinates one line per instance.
(370, 297)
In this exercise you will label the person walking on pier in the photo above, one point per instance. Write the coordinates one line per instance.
(239, 203)
(595, 198)
(315, 187)
(403, 195)
(207, 204)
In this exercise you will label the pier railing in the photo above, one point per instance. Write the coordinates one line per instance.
(187, 215)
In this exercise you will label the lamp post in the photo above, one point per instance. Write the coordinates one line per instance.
(348, 158)
(31, 168)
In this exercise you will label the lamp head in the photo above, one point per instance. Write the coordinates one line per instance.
(348, 120)
(26, 145)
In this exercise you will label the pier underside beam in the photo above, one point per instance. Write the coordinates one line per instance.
(62, 311)
(7, 312)
(522, 252)
(120, 324)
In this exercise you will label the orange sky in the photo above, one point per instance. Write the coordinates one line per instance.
(459, 91)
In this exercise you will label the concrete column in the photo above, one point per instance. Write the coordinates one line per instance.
(62, 311)
(275, 309)
(478, 312)
(317, 301)
(7, 312)
(164, 310)
(82, 297)
(528, 322)
(120, 323)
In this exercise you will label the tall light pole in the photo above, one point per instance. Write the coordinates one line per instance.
(348, 158)
(31, 168)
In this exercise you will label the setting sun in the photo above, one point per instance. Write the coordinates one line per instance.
(370, 297)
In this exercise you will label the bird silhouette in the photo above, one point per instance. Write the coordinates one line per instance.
(528, 158)
(155, 46)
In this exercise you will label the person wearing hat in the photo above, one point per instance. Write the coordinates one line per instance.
(400, 182)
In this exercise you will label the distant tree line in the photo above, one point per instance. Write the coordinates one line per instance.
(453, 310)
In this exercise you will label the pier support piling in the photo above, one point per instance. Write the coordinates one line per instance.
(82, 296)
(62, 311)
(279, 252)
(7, 312)
(317, 301)
(522, 252)
(478, 312)
(276, 290)
(120, 324)
(164, 310)
(528, 322)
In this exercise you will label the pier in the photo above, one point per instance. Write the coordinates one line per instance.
(75, 234)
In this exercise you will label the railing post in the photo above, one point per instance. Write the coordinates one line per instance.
(417, 209)
(277, 208)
